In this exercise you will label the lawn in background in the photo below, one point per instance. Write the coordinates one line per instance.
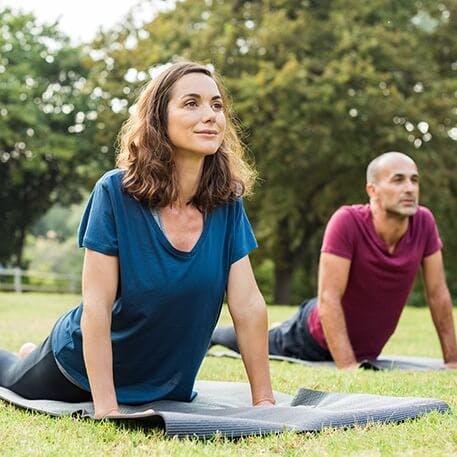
(29, 317)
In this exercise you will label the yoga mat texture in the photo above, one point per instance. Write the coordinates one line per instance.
(393, 362)
(224, 408)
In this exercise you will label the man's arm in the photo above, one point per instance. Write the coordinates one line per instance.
(248, 311)
(333, 277)
(440, 303)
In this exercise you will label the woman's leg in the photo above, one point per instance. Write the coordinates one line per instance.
(37, 376)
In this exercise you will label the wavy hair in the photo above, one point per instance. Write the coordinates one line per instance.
(146, 153)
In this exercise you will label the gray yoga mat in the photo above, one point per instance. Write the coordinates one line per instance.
(393, 362)
(224, 408)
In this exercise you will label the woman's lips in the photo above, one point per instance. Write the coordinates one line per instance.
(207, 132)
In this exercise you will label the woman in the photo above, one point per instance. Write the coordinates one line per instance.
(166, 236)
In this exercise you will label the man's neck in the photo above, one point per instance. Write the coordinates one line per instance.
(389, 227)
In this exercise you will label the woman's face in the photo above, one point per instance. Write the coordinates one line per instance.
(196, 118)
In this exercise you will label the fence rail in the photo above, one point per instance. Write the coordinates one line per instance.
(17, 280)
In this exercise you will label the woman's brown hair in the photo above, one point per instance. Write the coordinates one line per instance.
(146, 153)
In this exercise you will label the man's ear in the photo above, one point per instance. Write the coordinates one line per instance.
(371, 190)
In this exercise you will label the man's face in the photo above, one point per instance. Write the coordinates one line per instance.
(396, 188)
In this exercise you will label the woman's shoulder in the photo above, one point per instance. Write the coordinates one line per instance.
(230, 212)
(232, 206)
(113, 176)
(111, 181)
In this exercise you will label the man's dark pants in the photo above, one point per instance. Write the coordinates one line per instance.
(290, 339)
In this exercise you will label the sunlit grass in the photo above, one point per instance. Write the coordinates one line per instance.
(29, 317)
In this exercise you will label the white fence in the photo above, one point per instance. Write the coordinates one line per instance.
(18, 280)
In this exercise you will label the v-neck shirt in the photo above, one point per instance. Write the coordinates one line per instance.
(379, 281)
(168, 301)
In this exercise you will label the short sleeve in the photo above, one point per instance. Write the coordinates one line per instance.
(243, 239)
(97, 229)
(339, 234)
(433, 242)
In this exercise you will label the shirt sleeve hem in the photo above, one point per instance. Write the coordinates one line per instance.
(434, 250)
(242, 253)
(99, 247)
(337, 252)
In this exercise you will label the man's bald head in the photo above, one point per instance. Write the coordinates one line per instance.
(377, 164)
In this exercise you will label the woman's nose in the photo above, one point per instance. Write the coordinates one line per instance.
(208, 113)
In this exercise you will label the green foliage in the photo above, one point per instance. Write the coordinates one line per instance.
(264, 274)
(49, 255)
(47, 123)
(51, 246)
(60, 222)
(321, 88)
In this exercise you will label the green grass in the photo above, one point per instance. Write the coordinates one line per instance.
(29, 317)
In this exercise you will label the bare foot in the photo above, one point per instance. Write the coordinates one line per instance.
(26, 349)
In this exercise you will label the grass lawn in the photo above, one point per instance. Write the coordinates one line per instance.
(29, 317)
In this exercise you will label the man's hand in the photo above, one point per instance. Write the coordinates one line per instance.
(351, 366)
(333, 277)
(440, 303)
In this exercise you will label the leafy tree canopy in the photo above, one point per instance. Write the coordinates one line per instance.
(47, 126)
(321, 87)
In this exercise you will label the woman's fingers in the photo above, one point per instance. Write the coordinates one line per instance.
(116, 414)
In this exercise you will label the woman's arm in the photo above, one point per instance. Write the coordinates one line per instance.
(248, 311)
(100, 281)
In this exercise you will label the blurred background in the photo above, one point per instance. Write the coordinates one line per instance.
(320, 88)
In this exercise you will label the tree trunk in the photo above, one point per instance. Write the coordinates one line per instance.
(19, 247)
(283, 284)
(284, 266)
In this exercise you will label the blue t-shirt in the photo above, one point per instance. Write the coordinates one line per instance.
(168, 301)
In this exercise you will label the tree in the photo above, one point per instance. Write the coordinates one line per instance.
(321, 88)
(47, 125)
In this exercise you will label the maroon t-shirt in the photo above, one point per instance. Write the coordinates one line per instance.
(379, 282)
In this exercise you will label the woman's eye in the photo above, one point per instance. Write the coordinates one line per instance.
(191, 104)
(218, 106)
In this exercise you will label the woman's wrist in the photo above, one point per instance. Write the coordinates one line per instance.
(264, 401)
(100, 414)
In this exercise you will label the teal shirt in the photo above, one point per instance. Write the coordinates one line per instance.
(168, 301)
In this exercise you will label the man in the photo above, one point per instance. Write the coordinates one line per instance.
(369, 259)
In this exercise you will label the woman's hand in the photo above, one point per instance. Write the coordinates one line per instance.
(100, 281)
(117, 414)
(264, 402)
(248, 311)
(104, 414)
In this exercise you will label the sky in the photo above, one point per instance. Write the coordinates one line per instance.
(81, 19)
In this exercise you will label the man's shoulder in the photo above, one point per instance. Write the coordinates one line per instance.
(350, 213)
(359, 208)
(423, 211)
(424, 216)
(344, 230)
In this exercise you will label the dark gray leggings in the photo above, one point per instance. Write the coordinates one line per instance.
(38, 376)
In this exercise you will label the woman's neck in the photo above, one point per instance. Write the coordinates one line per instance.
(189, 171)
